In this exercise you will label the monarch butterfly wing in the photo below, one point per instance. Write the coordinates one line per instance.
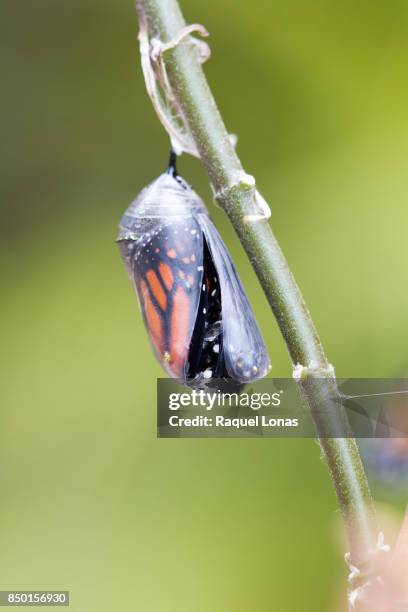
(165, 265)
(245, 353)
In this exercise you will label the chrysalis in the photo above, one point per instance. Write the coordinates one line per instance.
(195, 309)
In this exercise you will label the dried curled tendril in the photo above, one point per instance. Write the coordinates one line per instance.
(158, 85)
(167, 107)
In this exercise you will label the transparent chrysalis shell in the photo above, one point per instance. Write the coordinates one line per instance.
(198, 317)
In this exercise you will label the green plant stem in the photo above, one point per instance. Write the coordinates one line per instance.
(236, 194)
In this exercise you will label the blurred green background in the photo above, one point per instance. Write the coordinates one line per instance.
(91, 501)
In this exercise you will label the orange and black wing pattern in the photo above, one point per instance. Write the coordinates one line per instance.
(166, 266)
